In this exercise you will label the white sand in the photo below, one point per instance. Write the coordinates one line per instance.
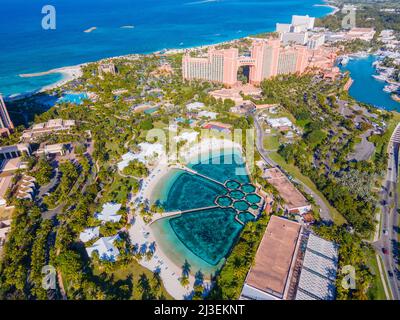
(68, 73)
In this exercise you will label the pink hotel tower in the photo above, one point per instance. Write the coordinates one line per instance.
(267, 60)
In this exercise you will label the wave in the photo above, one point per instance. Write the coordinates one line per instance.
(201, 2)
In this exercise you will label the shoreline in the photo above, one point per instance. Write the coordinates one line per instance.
(68, 74)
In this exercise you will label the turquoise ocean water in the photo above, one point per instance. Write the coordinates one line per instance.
(366, 88)
(157, 24)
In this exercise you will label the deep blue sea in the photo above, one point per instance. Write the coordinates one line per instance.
(158, 24)
(366, 88)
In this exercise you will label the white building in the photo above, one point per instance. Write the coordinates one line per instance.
(109, 213)
(89, 234)
(105, 248)
(303, 22)
(195, 106)
(279, 122)
(14, 151)
(283, 27)
(300, 38)
(207, 114)
(148, 151)
(316, 41)
(318, 273)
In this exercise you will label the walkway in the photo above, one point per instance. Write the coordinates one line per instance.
(178, 213)
(191, 171)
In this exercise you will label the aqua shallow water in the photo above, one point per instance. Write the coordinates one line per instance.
(203, 238)
(366, 88)
(27, 48)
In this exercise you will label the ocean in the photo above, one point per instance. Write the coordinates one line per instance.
(124, 27)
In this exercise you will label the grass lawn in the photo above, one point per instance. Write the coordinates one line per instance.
(118, 191)
(134, 271)
(295, 172)
(271, 142)
(376, 291)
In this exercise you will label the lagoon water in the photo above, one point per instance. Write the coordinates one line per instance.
(123, 27)
(366, 88)
(202, 238)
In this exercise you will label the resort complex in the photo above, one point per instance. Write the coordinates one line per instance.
(267, 59)
(237, 171)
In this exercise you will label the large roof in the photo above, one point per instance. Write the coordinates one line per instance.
(318, 273)
(292, 197)
(105, 248)
(274, 256)
(109, 212)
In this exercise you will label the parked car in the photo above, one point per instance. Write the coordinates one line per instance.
(385, 251)
(385, 232)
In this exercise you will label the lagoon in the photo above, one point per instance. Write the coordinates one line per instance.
(366, 88)
(204, 238)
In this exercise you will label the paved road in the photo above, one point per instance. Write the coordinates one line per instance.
(390, 220)
(324, 212)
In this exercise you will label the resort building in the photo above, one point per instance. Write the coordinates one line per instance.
(5, 121)
(109, 213)
(318, 272)
(107, 68)
(105, 248)
(300, 38)
(295, 202)
(366, 34)
(298, 24)
(269, 277)
(277, 123)
(207, 114)
(51, 149)
(315, 41)
(89, 234)
(26, 188)
(218, 126)
(12, 165)
(267, 60)
(14, 151)
(148, 151)
(235, 93)
(303, 22)
(48, 127)
(194, 106)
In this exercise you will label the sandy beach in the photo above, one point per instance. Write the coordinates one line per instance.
(68, 73)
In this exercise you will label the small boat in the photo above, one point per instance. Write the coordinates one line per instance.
(344, 61)
(379, 77)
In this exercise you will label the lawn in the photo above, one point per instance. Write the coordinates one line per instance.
(271, 142)
(376, 291)
(295, 172)
(133, 272)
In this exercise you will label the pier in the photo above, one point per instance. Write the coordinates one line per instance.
(178, 213)
(194, 172)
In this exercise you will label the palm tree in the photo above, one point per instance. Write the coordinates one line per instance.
(186, 269)
(184, 280)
